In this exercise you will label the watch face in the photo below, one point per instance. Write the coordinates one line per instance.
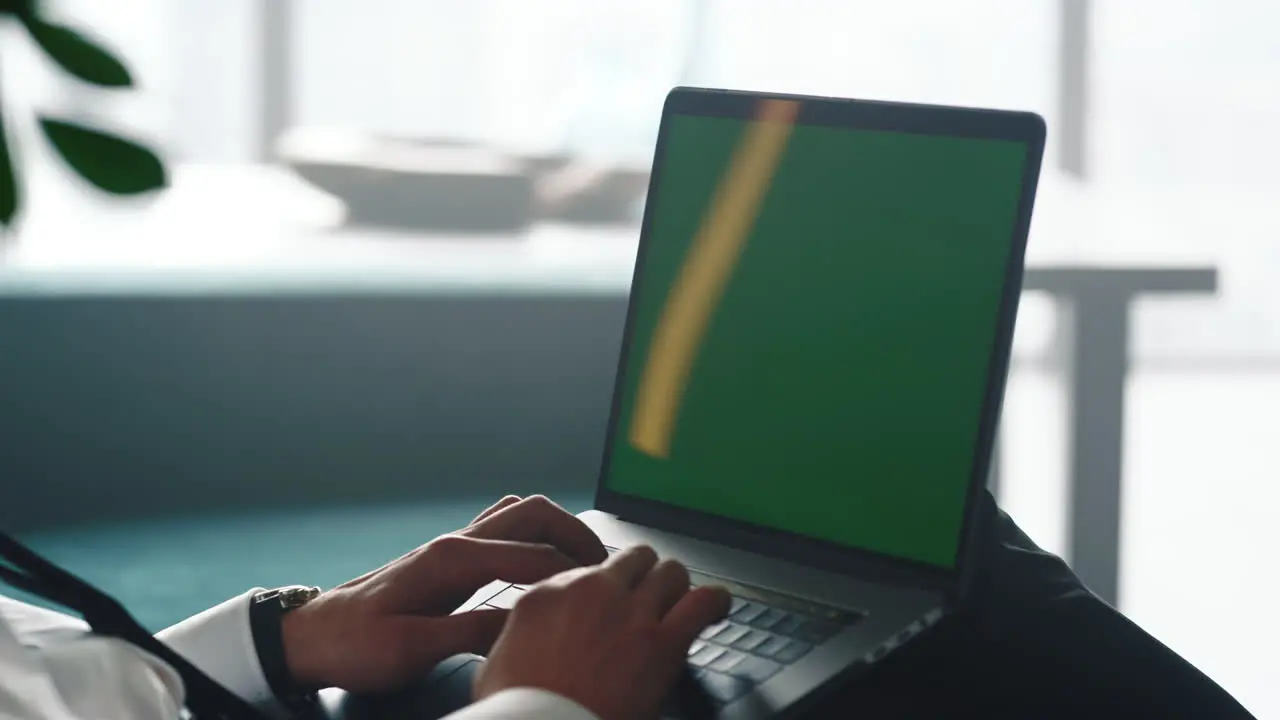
(296, 595)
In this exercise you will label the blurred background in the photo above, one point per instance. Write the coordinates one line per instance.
(388, 279)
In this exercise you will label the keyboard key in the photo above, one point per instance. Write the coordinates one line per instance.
(735, 604)
(725, 688)
(748, 612)
(816, 632)
(789, 625)
(752, 640)
(726, 662)
(792, 652)
(755, 669)
(709, 631)
(768, 619)
(772, 646)
(695, 647)
(705, 656)
(729, 635)
(506, 599)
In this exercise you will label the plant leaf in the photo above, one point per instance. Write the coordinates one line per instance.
(78, 55)
(16, 7)
(114, 164)
(8, 180)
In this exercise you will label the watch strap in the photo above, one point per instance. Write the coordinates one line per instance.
(266, 615)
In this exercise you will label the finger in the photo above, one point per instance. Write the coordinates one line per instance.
(630, 566)
(505, 502)
(538, 520)
(469, 632)
(476, 562)
(662, 588)
(694, 611)
(452, 567)
(568, 577)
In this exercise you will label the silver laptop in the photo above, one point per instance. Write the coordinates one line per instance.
(811, 373)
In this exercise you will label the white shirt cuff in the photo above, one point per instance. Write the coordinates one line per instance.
(219, 641)
(523, 703)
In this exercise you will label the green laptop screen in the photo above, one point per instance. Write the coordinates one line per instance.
(812, 328)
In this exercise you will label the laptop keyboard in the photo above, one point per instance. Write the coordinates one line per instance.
(763, 633)
(754, 643)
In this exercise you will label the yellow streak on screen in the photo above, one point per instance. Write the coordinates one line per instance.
(706, 271)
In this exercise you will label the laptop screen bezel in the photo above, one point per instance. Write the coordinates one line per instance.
(1023, 127)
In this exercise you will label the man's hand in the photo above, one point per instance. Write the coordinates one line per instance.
(612, 638)
(393, 624)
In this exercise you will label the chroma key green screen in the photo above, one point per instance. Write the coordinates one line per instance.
(813, 325)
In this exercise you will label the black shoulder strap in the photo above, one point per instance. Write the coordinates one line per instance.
(23, 568)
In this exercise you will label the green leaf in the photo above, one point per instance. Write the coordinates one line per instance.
(16, 7)
(8, 180)
(78, 55)
(114, 164)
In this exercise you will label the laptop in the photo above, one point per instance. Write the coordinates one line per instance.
(812, 369)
